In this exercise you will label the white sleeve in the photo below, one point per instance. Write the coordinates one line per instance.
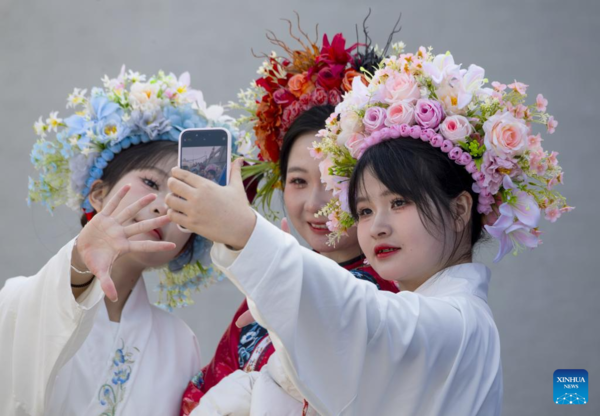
(232, 396)
(42, 326)
(322, 320)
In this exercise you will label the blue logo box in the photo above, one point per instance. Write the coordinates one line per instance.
(571, 387)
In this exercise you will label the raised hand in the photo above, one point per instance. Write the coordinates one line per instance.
(218, 213)
(106, 238)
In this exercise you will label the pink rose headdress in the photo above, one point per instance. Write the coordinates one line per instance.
(487, 130)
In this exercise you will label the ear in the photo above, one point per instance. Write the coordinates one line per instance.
(97, 194)
(461, 208)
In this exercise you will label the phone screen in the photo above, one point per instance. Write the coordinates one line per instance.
(206, 152)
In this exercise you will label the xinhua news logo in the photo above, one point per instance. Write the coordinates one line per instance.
(571, 387)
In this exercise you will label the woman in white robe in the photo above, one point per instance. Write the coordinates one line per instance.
(81, 337)
(348, 348)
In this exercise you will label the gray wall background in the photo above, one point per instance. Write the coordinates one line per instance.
(545, 302)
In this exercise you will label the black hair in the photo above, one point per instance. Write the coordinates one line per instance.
(141, 156)
(312, 120)
(425, 176)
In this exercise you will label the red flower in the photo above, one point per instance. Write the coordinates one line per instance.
(283, 97)
(336, 52)
(331, 77)
(267, 128)
(334, 97)
(319, 97)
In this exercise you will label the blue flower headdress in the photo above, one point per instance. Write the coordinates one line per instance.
(127, 111)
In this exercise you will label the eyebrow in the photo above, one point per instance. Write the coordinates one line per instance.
(296, 169)
(159, 170)
(385, 193)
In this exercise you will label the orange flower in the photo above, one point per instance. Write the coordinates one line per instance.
(349, 77)
(300, 84)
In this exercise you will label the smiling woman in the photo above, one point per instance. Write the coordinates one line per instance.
(112, 159)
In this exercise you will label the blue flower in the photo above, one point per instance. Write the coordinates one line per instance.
(102, 107)
(121, 376)
(48, 148)
(66, 151)
(36, 153)
(77, 124)
(119, 357)
(152, 124)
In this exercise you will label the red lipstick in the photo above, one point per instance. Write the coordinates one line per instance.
(384, 250)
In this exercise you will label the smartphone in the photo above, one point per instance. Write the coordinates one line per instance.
(206, 152)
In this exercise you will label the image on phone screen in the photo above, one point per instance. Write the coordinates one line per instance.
(205, 153)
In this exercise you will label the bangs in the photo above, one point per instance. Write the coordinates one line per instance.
(143, 156)
(401, 171)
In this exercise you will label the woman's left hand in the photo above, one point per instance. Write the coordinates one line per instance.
(219, 213)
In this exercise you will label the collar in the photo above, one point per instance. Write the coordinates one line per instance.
(471, 278)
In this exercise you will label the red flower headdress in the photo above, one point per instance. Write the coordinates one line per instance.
(307, 77)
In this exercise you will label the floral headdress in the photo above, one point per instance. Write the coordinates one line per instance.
(289, 86)
(127, 111)
(487, 130)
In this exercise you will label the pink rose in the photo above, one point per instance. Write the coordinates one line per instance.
(436, 141)
(455, 153)
(455, 128)
(401, 87)
(319, 97)
(374, 119)
(428, 135)
(399, 113)
(334, 97)
(429, 113)
(354, 144)
(447, 145)
(465, 159)
(415, 132)
(471, 167)
(305, 100)
(505, 135)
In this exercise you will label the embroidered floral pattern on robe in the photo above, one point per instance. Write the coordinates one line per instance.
(112, 392)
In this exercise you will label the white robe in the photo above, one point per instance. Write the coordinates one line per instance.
(353, 350)
(62, 356)
(268, 392)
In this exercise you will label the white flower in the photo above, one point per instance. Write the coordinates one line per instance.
(144, 96)
(398, 47)
(53, 121)
(135, 77)
(350, 123)
(76, 98)
(244, 145)
(439, 69)
(40, 128)
(357, 98)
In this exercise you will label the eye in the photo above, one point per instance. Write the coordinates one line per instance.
(363, 212)
(151, 183)
(398, 203)
(297, 181)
